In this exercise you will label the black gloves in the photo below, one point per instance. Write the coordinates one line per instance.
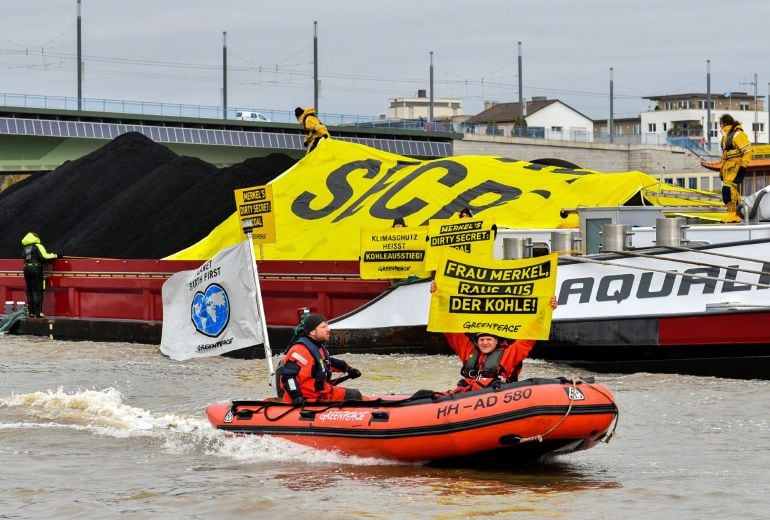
(496, 384)
(297, 399)
(354, 373)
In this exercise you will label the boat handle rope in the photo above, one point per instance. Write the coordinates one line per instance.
(575, 382)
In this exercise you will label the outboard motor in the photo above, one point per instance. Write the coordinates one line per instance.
(755, 207)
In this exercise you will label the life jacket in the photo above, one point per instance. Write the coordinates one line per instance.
(31, 255)
(490, 369)
(320, 372)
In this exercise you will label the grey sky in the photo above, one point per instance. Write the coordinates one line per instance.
(370, 51)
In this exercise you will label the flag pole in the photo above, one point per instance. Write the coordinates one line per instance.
(247, 227)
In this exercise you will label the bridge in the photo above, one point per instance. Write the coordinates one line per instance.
(34, 139)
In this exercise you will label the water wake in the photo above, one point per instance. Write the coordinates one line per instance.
(104, 412)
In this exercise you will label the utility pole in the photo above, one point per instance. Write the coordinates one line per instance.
(611, 122)
(756, 122)
(80, 63)
(315, 67)
(708, 104)
(224, 74)
(430, 103)
(756, 119)
(522, 104)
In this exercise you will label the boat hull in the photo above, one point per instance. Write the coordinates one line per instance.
(514, 423)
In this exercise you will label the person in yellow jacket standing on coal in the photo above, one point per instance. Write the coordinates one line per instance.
(312, 125)
(736, 154)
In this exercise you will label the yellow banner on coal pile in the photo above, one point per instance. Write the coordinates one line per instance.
(508, 298)
(473, 236)
(392, 253)
(338, 188)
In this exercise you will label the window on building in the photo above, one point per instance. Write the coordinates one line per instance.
(637, 129)
(680, 182)
(667, 105)
(556, 129)
(668, 180)
(651, 127)
(744, 105)
(758, 127)
(704, 183)
(683, 104)
(665, 126)
(692, 183)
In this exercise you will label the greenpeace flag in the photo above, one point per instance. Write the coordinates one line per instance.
(213, 309)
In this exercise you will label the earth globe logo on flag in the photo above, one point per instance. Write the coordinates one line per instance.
(210, 310)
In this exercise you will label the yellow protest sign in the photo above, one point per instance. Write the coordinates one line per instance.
(256, 203)
(392, 253)
(508, 298)
(474, 236)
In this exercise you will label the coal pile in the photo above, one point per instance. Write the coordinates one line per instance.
(132, 198)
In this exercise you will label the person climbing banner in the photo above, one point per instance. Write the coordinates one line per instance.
(392, 253)
(509, 298)
(213, 309)
(474, 236)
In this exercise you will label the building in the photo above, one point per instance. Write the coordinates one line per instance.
(626, 130)
(419, 108)
(541, 118)
(681, 119)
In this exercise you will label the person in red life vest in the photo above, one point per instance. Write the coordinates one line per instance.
(490, 360)
(307, 367)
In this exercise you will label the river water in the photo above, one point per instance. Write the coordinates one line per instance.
(107, 430)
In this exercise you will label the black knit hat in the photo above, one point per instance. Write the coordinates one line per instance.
(465, 211)
(312, 321)
(298, 111)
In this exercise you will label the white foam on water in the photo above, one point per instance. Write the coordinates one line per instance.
(103, 412)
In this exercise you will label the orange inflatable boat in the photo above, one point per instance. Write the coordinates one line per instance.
(518, 421)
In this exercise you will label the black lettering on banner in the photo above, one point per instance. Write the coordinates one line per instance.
(376, 210)
(254, 208)
(454, 269)
(492, 305)
(506, 194)
(455, 173)
(250, 195)
(523, 289)
(394, 256)
(339, 188)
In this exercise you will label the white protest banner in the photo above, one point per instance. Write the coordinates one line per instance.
(213, 309)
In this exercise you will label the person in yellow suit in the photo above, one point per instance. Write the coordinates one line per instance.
(315, 129)
(736, 154)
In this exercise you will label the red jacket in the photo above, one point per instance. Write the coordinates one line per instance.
(299, 364)
(508, 368)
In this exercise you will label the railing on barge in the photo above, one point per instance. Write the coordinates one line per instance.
(116, 289)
